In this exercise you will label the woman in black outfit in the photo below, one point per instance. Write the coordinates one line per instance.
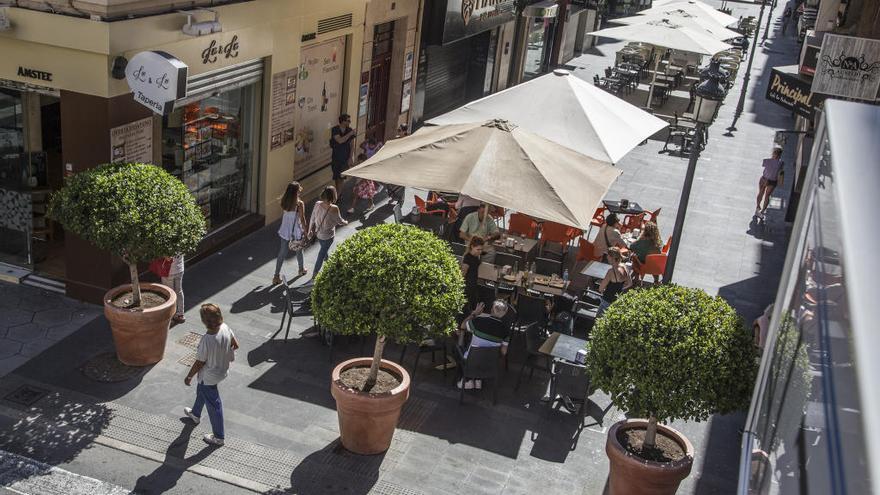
(616, 280)
(470, 268)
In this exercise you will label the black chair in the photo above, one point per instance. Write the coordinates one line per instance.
(458, 249)
(481, 363)
(432, 345)
(546, 266)
(535, 337)
(570, 380)
(513, 260)
(531, 310)
(584, 312)
(398, 213)
(487, 295)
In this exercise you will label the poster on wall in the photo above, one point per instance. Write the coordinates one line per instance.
(132, 142)
(362, 99)
(281, 123)
(405, 96)
(408, 65)
(848, 67)
(318, 104)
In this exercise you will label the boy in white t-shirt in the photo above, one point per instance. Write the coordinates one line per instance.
(216, 350)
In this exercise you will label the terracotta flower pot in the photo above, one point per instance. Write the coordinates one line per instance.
(631, 475)
(140, 335)
(367, 421)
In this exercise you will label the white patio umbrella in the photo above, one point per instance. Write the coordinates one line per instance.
(499, 163)
(693, 7)
(667, 34)
(688, 20)
(567, 110)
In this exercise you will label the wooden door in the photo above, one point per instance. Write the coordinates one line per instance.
(380, 75)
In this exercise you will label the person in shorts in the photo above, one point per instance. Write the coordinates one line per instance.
(773, 173)
(341, 137)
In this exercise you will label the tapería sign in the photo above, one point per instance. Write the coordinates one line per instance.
(468, 17)
(848, 67)
(788, 89)
(156, 79)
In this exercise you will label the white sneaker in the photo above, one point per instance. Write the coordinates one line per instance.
(350, 211)
(757, 211)
(469, 385)
(209, 438)
(189, 414)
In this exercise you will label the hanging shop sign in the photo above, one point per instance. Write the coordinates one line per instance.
(790, 90)
(848, 67)
(156, 79)
(468, 17)
(132, 142)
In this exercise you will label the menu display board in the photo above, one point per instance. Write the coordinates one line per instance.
(282, 119)
(132, 142)
(318, 104)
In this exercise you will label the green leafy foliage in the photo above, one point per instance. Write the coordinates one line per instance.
(134, 210)
(673, 352)
(390, 280)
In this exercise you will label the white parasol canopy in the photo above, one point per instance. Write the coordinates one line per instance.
(567, 110)
(693, 7)
(688, 20)
(499, 163)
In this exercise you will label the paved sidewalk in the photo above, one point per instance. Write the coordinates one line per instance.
(281, 418)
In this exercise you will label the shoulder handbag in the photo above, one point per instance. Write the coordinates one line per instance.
(297, 243)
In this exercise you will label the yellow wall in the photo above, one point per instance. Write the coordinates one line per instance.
(80, 53)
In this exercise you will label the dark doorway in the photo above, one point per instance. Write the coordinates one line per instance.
(380, 76)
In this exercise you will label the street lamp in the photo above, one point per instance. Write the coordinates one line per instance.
(709, 95)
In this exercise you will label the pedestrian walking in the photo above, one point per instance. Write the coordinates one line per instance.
(786, 15)
(363, 189)
(771, 177)
(216, 350)
(292, 231)
(170, 273)
(341, 137)
(325, 218)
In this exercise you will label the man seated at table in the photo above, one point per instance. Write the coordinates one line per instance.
(488, 330)
(608, 237)
(479, 224)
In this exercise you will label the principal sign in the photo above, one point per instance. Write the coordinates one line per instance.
(787, 89)
(157, 79)
(848, 67)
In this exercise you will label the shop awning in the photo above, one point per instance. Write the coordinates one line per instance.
(791, 90)
(544, 8)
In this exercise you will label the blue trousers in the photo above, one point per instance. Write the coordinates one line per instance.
(283, 249)
(322, 254)
(209, 396)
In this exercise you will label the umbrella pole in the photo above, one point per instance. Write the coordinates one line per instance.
(653, 79)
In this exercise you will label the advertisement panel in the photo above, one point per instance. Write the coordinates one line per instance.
(848, 67)
(318, 103)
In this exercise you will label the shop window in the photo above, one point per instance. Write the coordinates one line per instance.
(210, 145)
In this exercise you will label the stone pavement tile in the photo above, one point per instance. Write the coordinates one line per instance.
(14, 317)
(9, 299)
(28, 332)
(9, 348)
(52, 317)
(10, 363)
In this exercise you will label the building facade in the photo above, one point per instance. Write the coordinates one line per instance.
(261, 84)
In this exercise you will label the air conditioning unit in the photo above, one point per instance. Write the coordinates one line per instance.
(201, 28)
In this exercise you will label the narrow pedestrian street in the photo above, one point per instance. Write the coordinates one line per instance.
(126, 435)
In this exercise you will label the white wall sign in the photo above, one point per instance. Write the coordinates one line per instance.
(848, 67)
(156, 79)
(132, 142)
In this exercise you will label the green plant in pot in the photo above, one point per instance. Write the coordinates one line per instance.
(395, 282)
(138, 212)
(666, 353)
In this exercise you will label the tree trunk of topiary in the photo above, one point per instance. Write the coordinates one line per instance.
(651, 433)
(135, 285)
(374, 367)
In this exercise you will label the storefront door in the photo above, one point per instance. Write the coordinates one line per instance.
(539, 44)
(380, 75)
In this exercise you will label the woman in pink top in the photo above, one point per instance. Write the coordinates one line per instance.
(771, 177)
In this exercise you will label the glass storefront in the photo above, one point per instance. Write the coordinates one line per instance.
(14, 201)
(538, 46)
(211, 145)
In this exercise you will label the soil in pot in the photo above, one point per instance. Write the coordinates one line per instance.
(666, 450)
(355, 378)
(149, 299)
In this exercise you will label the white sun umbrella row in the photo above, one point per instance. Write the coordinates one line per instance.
(665, 33)
(692, 7)
(685, 19)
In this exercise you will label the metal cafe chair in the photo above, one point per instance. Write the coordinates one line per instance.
(481, 363)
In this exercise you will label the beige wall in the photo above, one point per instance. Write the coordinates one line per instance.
(80, 52)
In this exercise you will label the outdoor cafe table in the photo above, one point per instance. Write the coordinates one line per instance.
(523, 246)
(489, 272)
(614, 207)
(433, 223)
(563, 347)
(596, 269)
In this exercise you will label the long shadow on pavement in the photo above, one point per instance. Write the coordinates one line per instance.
(166, 476)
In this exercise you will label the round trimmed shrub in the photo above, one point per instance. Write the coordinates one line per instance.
(671, 352)
(391, 280)
(136, 211)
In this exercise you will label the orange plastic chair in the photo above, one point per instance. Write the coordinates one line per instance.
(556, 232)
(666, 246)
(423, 208)
(651, 216)
(598, 217)
(655, 264)
(523, 225)
(586, 251)
(632, 222)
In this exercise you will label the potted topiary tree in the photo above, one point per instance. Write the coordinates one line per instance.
(666, 353)
(392, 281)
(138, 212)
